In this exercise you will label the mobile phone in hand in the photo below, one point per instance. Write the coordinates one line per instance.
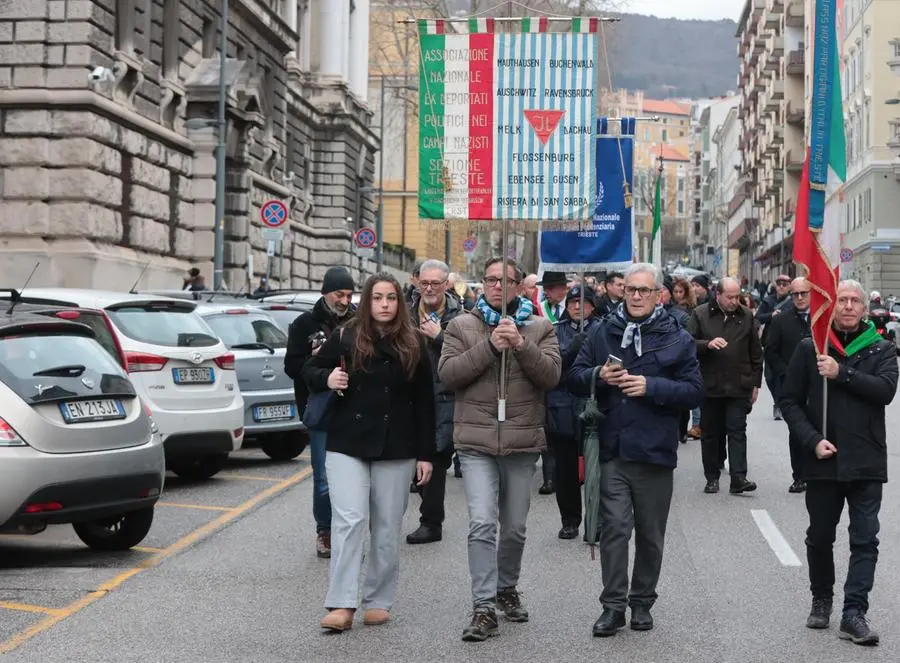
(613, 360)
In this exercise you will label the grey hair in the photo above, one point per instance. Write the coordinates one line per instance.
(644, 268)
(434, 264)
(855, 285)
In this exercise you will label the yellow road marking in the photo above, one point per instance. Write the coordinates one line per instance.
(204, 507)
(27, 607)
(114, 583)
(146, 549)
(247, 477)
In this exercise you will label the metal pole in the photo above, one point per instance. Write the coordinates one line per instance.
(504, 355)
(448, 253)
(379, 219)
(405, 150)
(581, 305)
(219, 231)
(501, 19)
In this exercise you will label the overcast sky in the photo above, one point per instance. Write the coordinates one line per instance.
(705, 9)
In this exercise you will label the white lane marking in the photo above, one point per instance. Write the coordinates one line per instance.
(775, 538)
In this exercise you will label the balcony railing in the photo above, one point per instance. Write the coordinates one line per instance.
(793, 161)
(795, 116)
(794, 17)
(776, 44)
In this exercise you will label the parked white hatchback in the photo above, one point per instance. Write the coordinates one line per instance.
(178, 366)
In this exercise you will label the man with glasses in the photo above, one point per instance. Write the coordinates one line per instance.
(770, 307)
(731, 360)
(647, 375)
(498, 451)
(845, 461)
(433, 306)
(782, 339)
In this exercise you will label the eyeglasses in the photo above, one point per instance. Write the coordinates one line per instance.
(800, 294)
(493, 282)
(431, 284)
(643, 292)
(782, 282)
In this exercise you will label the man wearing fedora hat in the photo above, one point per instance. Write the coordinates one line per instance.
(553, 305)
(555, 286)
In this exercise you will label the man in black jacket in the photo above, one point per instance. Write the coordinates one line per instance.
(433, 307)
(615, 293)
(847, 460)
(782, 338)
(731, 361)
(769, 308)
(305, 335)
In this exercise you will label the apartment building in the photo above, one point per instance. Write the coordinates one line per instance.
(667, 137)
(714, 180)
(107, 177)
(870, 59)
(772, 49)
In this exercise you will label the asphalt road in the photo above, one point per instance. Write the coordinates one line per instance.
(252, 589)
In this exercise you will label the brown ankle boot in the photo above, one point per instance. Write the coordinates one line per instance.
(376, 617)
(339, 619)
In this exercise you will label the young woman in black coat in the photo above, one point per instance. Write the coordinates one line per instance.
(381, 427)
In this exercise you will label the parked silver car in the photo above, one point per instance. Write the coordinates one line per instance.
(259, 345)
(77, 444)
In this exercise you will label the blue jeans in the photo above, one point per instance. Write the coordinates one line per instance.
(695, 416)
(321, 499)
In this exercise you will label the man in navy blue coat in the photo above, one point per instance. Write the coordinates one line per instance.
(643, 398)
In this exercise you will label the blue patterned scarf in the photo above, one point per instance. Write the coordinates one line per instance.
(632, 333)
(492, 317)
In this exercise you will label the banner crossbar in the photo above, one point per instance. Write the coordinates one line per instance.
(512, 19)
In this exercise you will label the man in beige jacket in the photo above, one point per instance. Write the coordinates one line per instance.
(498, 458)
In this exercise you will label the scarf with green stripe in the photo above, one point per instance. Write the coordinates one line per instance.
(868, 338)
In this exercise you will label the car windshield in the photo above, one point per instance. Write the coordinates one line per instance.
(247, 329)
(170, 326)
(42, 366)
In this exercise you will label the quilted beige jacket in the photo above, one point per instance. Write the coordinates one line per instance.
(471, 369)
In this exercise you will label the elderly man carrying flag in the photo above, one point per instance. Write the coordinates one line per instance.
(840, 381)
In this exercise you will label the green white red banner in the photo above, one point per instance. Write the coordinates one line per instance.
(506, 121)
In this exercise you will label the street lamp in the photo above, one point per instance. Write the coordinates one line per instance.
(379, 219)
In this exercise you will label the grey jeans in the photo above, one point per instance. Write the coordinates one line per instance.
(498, 492)
(633, 496)
(368, 500)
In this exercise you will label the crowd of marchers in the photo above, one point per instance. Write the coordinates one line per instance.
(492, 380)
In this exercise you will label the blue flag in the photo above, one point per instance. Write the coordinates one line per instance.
(608, 243)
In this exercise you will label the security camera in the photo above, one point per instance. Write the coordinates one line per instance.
(100, 75)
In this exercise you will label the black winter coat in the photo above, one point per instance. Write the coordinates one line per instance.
(442, 397)
(783, 335)
(734, 371)
(563, 407)
(299, 347)
(382, 415)
(865, 386)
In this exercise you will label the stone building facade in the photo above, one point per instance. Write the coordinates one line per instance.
(102, 180)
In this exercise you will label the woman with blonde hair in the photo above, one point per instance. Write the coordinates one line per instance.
(381, 428)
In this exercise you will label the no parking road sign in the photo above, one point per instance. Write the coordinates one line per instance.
(365, 238)
(273, 214)
(846, 255)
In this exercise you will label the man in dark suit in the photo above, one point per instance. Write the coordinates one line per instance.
(784, 335)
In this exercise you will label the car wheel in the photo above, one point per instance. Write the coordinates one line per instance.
(117, 532)
(284, 446)
(197, 468)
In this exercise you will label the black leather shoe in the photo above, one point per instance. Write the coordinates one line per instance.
(712, 486)
(820, 615)
(641, 619)
(424, 534)
(568, 532)
(547, 488)
(855, 628)
(740, 484)
(797, 487)
(609, 623)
